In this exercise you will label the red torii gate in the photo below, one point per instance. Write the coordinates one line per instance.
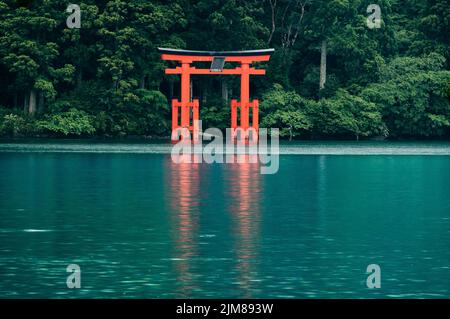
(217, 59)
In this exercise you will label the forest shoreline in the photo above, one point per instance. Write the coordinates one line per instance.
(159, 139)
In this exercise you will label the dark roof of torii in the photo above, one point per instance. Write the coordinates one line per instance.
(217, 53)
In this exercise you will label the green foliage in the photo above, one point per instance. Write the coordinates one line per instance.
(413, 94)
(285, 110)
(26, 50)
(107, 77)
(15, 124)
(290, 122)
(12, 125)
(72, 122)
(348, 115)
(215, 113)
(46, 87)
(342, 115)
(145, 115)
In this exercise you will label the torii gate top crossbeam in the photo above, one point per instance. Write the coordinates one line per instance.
(189, 56)
(246, 53)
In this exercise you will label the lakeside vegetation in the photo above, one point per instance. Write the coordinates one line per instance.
(331, 75)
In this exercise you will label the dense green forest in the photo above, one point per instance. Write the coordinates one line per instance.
(332, 76)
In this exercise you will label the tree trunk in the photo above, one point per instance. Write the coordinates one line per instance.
(323, 64)
(26, 100)
(205, 93)
(41, 102)
(15, 100)
(32, 103)
(79, 77)
(171, 84)
(225, 90)
(142, 82)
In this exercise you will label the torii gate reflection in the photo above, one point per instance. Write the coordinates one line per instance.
(243, 189)
(184, 186)
(190, 108)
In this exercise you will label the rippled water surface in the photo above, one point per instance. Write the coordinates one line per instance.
(141, 226)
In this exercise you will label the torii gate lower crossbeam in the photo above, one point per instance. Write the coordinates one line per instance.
(190, 108)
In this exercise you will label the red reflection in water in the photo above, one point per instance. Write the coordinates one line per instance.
(184, 192)
(244, 193)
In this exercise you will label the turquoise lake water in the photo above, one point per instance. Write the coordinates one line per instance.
(140, 226)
